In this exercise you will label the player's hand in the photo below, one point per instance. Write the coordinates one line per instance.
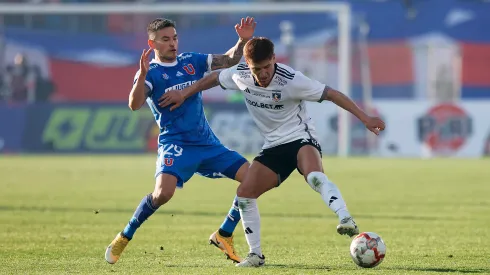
(375, 125)
(145, 61)
(246, 28)
(171, 97)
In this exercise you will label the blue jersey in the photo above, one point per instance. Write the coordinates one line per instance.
(186, 125)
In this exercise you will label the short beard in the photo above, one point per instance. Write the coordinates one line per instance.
(166, 59)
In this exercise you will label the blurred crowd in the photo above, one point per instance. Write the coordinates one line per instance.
(131, 23)
(22, 82)
(113, 23)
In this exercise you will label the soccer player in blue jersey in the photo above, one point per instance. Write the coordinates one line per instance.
(186, 144)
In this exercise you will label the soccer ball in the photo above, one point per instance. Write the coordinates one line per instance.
(367, 249)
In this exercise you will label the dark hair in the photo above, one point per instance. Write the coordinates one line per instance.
(259, 49)
(158, 24)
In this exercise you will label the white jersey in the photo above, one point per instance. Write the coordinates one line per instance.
(279, 110)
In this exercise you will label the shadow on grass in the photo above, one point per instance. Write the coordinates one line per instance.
(266, 266)
(443, 270)
(299, 266)
(209, 214)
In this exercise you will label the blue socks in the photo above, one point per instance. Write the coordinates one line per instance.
(144, 210)
(231, 220)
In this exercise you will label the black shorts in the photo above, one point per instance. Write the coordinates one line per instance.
(283, 159)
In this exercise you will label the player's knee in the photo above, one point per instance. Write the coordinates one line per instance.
(245, 191)
(161, 196)
(164, 189)
(316, 179)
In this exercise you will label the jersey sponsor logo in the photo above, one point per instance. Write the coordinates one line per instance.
(244, 74)
(189, 69)
(180, 86)
(276, 96)
(264, 105)
(280, 81)
(185, 56)
(261, 95)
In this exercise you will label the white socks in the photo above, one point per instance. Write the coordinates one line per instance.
(330, 193)
(251, 217)
(251, 223)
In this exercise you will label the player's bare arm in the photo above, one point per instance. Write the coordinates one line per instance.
(140, 91)
(177, 97)
(373, 124)
(245, 31)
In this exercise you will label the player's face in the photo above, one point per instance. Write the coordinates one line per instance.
(263, 71)
(165, 44)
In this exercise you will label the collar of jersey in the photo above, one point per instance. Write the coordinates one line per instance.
(154, 61)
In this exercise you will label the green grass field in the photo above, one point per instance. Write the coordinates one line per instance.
(58, 213)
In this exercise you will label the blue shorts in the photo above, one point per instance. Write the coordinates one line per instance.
(212, 161)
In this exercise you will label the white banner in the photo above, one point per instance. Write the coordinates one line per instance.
(413, 129)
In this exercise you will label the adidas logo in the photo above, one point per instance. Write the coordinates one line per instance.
(179, 74)
(248, 231)
(332, 199)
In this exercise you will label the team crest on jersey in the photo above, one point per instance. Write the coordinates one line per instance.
(165, 76)
(189, 69)
(168, 161)
(276, 96)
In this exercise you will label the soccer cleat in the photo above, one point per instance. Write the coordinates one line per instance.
(114, 250)
(347, 226)
(252, 260)
(225, 244)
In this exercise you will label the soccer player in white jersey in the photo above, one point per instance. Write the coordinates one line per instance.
(275, 96)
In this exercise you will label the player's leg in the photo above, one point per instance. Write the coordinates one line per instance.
(310, 165)
(232, 165)
(164, 190)
(222, 162)
(267, 171)
(172, 171)
(258, 180)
